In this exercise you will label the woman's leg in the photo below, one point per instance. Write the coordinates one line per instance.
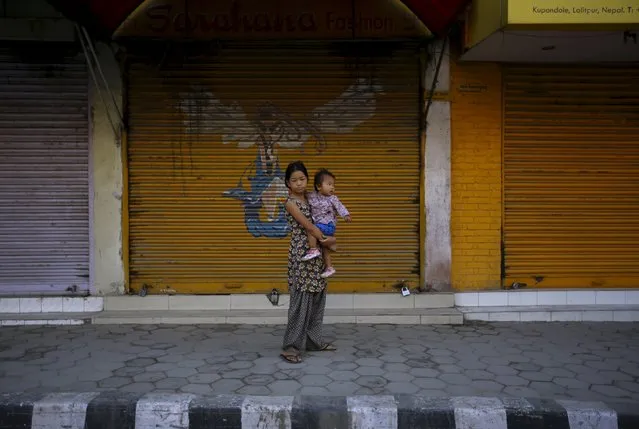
(316, 320)
(299, 311)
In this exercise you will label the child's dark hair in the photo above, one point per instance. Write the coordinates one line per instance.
(292, 168)
(320, 176)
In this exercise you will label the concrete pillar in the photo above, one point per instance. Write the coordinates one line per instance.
(438, 259)
(107, 265)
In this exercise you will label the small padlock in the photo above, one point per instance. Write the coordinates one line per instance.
(405, 291)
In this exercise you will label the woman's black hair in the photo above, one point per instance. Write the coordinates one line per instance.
(320, 176)
(292, 168)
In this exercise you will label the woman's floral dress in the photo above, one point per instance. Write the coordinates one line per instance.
(303, 276)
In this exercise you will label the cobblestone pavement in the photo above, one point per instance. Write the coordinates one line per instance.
(597, 361)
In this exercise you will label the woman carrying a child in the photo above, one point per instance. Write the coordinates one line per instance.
(306, 285)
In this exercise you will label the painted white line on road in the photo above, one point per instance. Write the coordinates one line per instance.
(479, 413)
(372, 412)
(61, 410)
(266, 412)
(163, 411)
(589, 415)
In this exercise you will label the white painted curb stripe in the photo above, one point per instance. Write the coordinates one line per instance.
(163, 411)
(265, 412)
(479, 413)
(61, 410)
(589, 415)
(372, 412)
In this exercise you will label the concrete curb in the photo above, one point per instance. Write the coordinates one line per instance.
(119, 410)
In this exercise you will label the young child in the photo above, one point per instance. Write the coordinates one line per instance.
(324, 207)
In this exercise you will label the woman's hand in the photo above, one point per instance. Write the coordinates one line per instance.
(330, 241)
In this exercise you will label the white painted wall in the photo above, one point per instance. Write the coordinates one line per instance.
(107, 265)
(438, 258)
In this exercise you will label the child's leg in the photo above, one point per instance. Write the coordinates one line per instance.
(312, 241)
(328, 262)
(313, 250)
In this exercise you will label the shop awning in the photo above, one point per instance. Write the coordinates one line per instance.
(102, 18)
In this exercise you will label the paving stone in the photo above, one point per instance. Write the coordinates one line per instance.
(424, 372)
(343, 375)
(454, 390)
(181, 372)
(203, 378)
(558, 372)
(398, 376)
(171, 383)
(253, 390)
(501, 370)
(319, 370)
(285, 387)
(192, 363)
(593, 378)
(486, 386)
(615, 375)
(511, 380)
(611, 391)
(535, 376)
(429, 383)
(478, 374)
(402, 388)
(455, 379)
(526, 366)
(472, 364)
(369, 362)
(629, 386)
(226, 386)
(446, 369)
(391, 358)
(372, 382)
(149, 377)
(128, 371)
(115, 382)
(93, 376)
(370, 370)
(138, 388)
(343, 388)
(315, 380)
(141, 362)
(236, 374)
(343, 366)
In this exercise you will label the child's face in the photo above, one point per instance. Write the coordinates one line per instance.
(327, 187)
(297, 182)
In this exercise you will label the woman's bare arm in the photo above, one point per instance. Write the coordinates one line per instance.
(292, 208)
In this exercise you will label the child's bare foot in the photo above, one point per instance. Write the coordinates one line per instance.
(311, 254)
(329, 272)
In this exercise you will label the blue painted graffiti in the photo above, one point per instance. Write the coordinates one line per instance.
(252, 202)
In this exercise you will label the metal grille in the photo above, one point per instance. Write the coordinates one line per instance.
(44, 199)
(210, 137)
(571, 176)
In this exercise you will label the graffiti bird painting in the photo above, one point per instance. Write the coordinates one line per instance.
(271, 129)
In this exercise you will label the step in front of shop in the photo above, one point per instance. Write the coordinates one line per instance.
(274, 316)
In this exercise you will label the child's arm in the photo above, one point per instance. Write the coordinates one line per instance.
(339, 207)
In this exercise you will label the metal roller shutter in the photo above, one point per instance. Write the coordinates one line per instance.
(210, 137)
(44, 177)
(571, 176)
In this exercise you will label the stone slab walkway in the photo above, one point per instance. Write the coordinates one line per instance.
(584, 361)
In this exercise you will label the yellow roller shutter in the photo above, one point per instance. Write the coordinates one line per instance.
(571, 176)
(211, 135)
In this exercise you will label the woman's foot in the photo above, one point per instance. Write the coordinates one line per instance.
(329, 272)
(311, 254)
(291, 357)
(324, 348)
